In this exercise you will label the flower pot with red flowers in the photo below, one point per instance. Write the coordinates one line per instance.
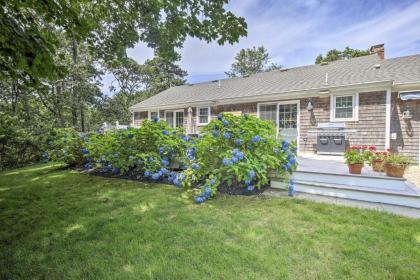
(355, 159)
(396, 164)
(377, 160)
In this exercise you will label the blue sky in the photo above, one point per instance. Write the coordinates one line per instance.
(296, 31)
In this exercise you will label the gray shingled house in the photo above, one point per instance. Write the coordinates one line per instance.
(366, 100)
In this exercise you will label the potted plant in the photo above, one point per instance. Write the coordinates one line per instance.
(395, 164)
(354, 159)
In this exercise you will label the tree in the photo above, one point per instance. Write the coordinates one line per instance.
(334, 54)
(251, 61)
(30, 30)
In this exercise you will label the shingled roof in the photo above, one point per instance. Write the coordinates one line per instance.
(340, 73)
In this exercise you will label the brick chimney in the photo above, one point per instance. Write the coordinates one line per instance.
(379, 50)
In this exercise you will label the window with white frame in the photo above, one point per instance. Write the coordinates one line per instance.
(203, 115)
(153, 115)
(268, 112)
(344, 107)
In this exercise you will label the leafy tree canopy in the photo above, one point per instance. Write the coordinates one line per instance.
(334, 54)
(250, 61)
(30, 30)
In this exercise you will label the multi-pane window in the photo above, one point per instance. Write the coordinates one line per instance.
(179, 119)
(287, 116)
(203, 115)
(344, 107)
(268, 112)
(154, 115)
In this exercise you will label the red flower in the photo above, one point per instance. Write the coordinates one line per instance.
(389, 150)
(364, 147)
(372, 148)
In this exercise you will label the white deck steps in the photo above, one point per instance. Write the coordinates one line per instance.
(371, 189)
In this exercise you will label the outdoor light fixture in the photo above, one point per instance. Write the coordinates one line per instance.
(310, 106)
(406, 115)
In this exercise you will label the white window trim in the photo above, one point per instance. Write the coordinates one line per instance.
(174, 116)
(297, 102)
(183, 117)
(149, 114)
(355, 117)
(197, 110)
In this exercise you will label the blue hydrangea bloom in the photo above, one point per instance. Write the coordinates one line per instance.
(238, 142)
(161, 150)
(219, 117)
(215, 133)
(212, 181)
(287, 166)
(89, 159)
(146, 173)
(156, 176)
(255, 139)
(226, 161)
(84, 151)
(199, 199)
(226, 135)
(191, 153)
(151, 159)
(250, 188)
(130, 136)
(83, 136)
(284, 145)
(163, 171)
(195, 166)
(251, 174)
(247, 182)
(165, 132)
(155, 119)
(234, 159)
(276, 151)
(164, 162)
(225, 122)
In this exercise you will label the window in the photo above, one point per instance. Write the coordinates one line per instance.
(153, 115)
(169, 117)
(344, 107)
(179, 118)
(203, 115)
(268, 112)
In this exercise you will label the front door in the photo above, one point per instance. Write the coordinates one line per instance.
(179, 118)
(288, 120)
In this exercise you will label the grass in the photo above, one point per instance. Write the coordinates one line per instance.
(59, 224)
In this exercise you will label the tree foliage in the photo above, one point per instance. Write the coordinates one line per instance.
(334, 54)
(30, 31)
(250, 61)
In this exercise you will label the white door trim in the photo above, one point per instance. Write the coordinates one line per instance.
(297, 102)
(387, 119)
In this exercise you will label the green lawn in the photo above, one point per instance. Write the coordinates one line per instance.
(59, 224)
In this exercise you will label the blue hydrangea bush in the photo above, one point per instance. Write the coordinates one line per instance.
(238, 151)
(234, 151)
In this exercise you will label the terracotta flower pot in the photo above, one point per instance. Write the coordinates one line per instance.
(378, 165)
(395, 170)
(355, 168)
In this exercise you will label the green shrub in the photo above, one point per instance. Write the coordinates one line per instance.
(68, 146)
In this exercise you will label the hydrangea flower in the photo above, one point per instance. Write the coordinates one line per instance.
(165, 132)
(195, 166)
(84, 151)
(212, 181)
(191, 154)
(151, 159)
(161, 150)
(234, 159)
(163, 171)
(255, 139)
(251, 174)
(284, 145)
(226, 135)
(276, 151)
(215, 133)
(238, 154)
(238, 142)
(287, 166)
(83, 136)
(250, 188)
(247, 182)
(199, 199)
(146, 173)
(208, 191)
(225, 122)
(155, 119)
(130, 136)
(156, 176)
(165, 161)
(219, 117)
(226, 161)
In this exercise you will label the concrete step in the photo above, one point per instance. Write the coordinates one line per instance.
(407, 196)
(368, 181)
